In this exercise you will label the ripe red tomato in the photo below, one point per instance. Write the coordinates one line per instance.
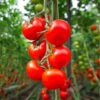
(99, 49)
(53, 78)
(45, 97)
(94, 79)
(93, 27)
(31, 31)
(44, 91)
(33, 70)
(1, 76)
(98, 61)
(90, 70)
(63, 94)
(68, 82)
(90, 76)
(66, 85)
(58, 32)
(60, 57)
(37, 51)
(41, 19)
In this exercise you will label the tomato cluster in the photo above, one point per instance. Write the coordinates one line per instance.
(91, 75)
(49, 55)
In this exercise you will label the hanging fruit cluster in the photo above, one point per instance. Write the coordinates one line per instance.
(91, 75)
(49, 55)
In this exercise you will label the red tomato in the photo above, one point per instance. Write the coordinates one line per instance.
(93, 27)
(66, 85)
(30, 31)
(90, 70)
(45, 97)
(68, 82)
(1, 76)
(37, 51)
(60, 57)
(98, 61)
(99, 49)
(42, 19)
(53, 78)
(44, 91)
(94, 79)
(90, 76)
(33, 70)
(58, 32)
(63, 94)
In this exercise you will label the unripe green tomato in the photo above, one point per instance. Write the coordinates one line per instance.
(77, 46)
(80, 62)
(94, 40)
(96, 32)
(83, 67)
(86, 64)
(97, 38)
(34, 1)
(85, 59)
(47, 10)
(39, 7)
(80, 57)
(76, 43)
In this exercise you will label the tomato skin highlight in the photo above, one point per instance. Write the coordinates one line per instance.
(37, 51)
(60, 57)
(34, 71)
(58, 32)
(53, 78)
(31, 31)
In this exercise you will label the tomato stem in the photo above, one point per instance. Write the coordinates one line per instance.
(48, 51)
(76, 94)
(52, 11)
(55, 9)
(46, 15)
(56, 95)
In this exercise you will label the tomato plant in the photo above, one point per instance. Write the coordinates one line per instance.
(47, 32)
